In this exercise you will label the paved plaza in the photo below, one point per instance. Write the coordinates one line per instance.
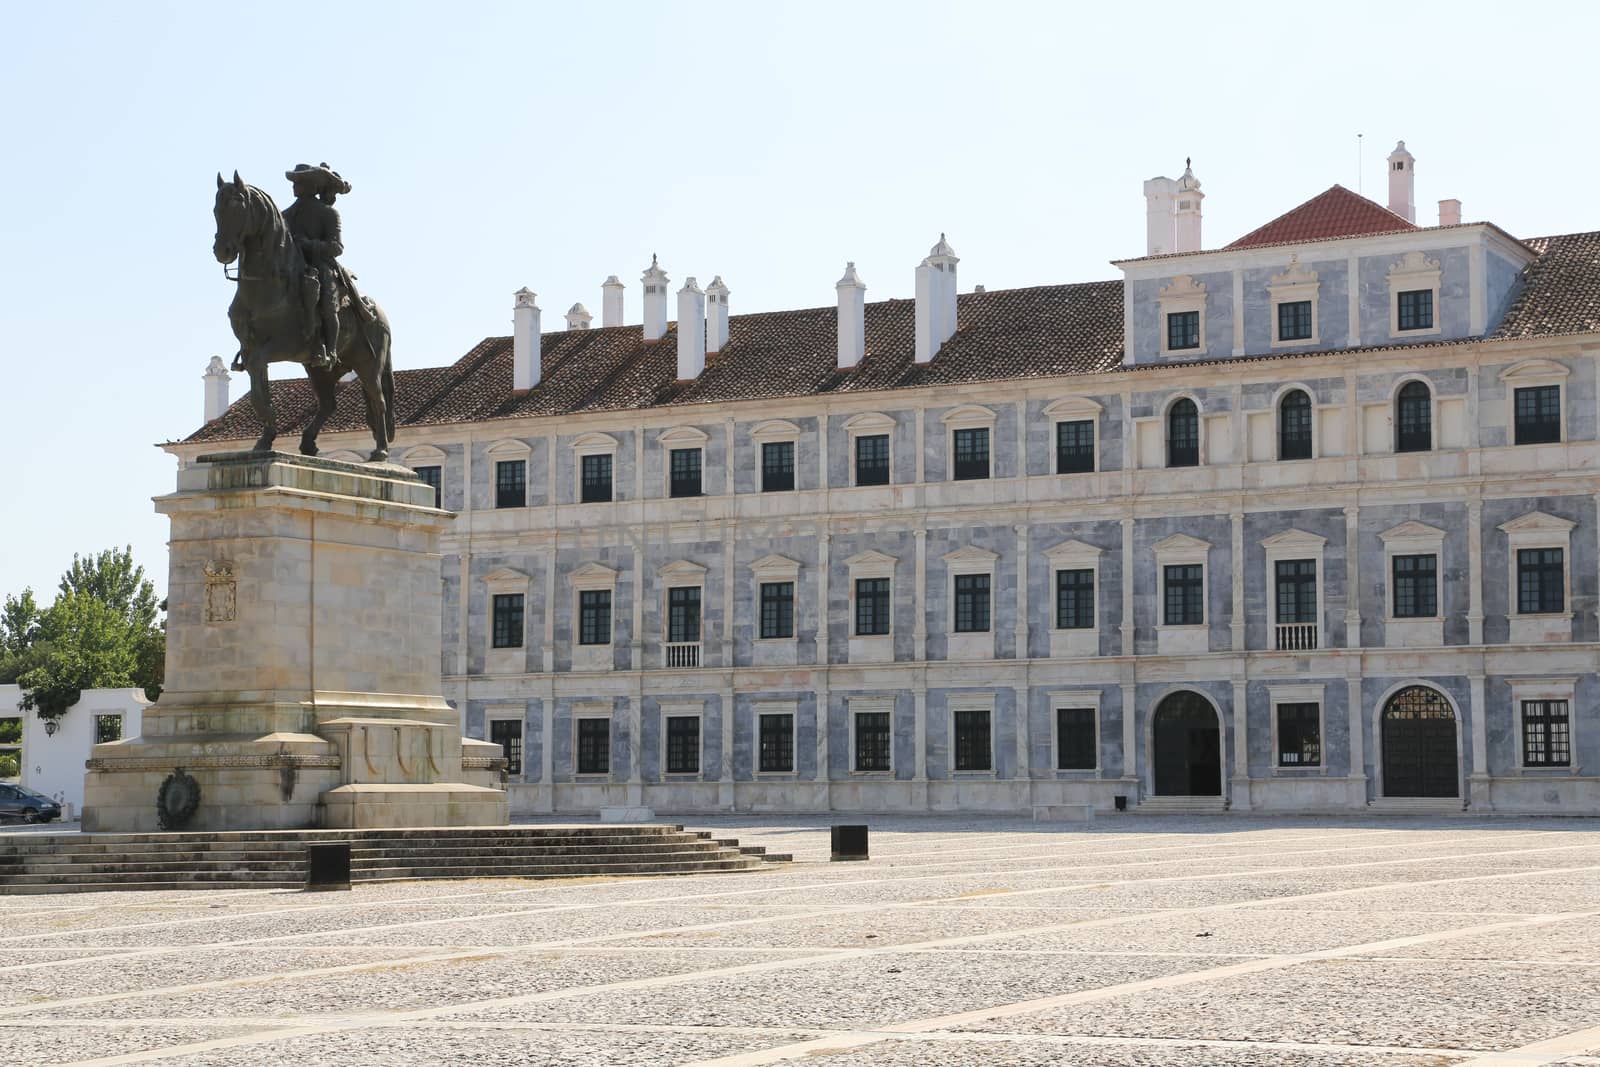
(1136, 942)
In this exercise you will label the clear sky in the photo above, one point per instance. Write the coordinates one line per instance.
(493, 146)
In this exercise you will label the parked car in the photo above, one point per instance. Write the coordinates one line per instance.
(19, 803)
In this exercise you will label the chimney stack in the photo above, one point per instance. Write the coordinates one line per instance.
(1160, 197)
(655, 301)
(216, 378)
(611, 291)
(1403, 183)
(1186, 211)
(852, 317)
(1449, 213)
(691, 331)
(936, 300)
(525, 341)
(578, 317)
(716, 315)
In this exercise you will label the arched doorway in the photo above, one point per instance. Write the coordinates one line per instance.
(1419, 745)
(1187, 746)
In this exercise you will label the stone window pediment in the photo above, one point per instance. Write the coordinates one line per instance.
(1412, 534)
(424, 455)
(1072, 553)
(591, 444)
(593, 576)
(1073, 407)
(1538, 524)
(1536, 371)
(869, 422)
(968, 415)
(684, 437)
(1181, 548)
(682, 570)
(970, 558)
(871, 564)
(1294, 541)
(506, 576)
(510, 448)
(775, 430)
(775, 566)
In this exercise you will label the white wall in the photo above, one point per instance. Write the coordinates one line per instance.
(54, 765)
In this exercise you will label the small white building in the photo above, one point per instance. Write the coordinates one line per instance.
(50, 760)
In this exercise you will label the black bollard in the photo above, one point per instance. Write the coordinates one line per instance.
(328, 866)
(849, 843)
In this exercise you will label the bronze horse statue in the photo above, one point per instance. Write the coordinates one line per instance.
(272, 325)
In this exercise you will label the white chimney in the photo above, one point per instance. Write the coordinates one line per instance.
(1449, 213)
(1186, 211)
(578, 317)
(1160, 197)
(936, 300)
(216, 377)
(655, 301)
(1403, 183)
(691, 331)
(611, 291)
(716, 315)
(852, 317)
(525, 341)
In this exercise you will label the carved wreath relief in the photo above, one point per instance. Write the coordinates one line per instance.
(222, 599)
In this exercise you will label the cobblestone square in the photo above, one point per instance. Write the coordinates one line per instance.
(1129, 942)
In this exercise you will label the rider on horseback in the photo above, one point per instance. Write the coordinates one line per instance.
(314, 224)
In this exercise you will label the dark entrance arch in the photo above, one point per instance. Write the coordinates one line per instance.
(1188, 747)
(1419, 745)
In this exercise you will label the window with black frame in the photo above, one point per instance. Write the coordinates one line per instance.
(685, 472)
(594, 617)
(1075, 447)
(874, 744)
(1075, 739)
(683, 744)
(1538, 414)
(507, 733)
(872, 459)
(777, 466)
(594, 746)
(1415, 310)
(972, 604)
(433, 476)
(1294, 425)
(683, 614)
(107, 728)
(973, 744)
(1183, 330)
(1296, 581)
(596, 476)
(1413, 418)
(1075, 599)
(971, 453)
(777, 609)
(1183, 434)
(1294, 320)
(872, 607)
(511, 483)
(507, 609)
(1416, 586)
(776, 743)
(1184, 594)
(1300, 735)
(1546, 734)
(1541, 581)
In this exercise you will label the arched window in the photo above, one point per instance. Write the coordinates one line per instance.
(1294, 426)
(1183, 434)
(1413, 419)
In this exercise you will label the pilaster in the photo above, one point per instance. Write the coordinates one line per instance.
(1478, 786)
(1236, 576)
(1024, 762)
(1127, 626)
(1130, 743)
(1352, 576)
(1475, 567)
(1239, 793)
(823, 676)
(1021, 634)
(1356, 727)
(919, 626)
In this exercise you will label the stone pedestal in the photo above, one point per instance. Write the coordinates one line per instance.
(303, 686)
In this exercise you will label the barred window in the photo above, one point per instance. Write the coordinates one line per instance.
(872, 607)
(433, 476)
(594, 746)
(511, 483)
(1299, 735)
(777, 743)
(594, 617)
(1416, 587)
(1075, 739)
(1185, 595)
(1546, 734)
(683, 614)
(1183, 434)
(1416, 309)
(107, 728)
(972, 603)
(1075, 447)
(685, 472)
(1294, 426)
(507, 733)
(973, 750)
(508, 620)
(1183, 330)
(1075, 600)
(972, 453)
(872, 459)
(873, 741)
(777, 609)
(683, 744)
(596, 479)
(1413, 418)
(777, 466)
(1541, 577)
(1538, 414)
(1294, 320)
(1297, 590)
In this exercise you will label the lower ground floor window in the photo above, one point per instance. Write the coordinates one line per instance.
(873, 741)
(594, 746)
(777, 743)
(1075, 739)
(683, 744)
(1546, 734)
(1299, 735)
(973, 748)
(507, 733)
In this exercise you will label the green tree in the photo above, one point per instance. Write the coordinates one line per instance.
(89, 646)
(20, 625)
(112, 578)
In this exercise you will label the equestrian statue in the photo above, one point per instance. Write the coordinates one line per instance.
(297, 304)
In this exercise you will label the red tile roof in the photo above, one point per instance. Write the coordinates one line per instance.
(1335, 213)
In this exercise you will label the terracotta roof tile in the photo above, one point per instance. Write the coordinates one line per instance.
(1335, 213)
(1560, 290)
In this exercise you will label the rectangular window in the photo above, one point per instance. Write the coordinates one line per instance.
(1538, 414)
(1416, 309)
(1075, 739)
(872, 459)
(777, 466)
(511, 483)
(594, 617)
(972, 604)
(777, 609)
(1075, 600)
(507, 733)
(596, 479)
(594, 746)
(872, 607)
(1075, 447)
(1297, 590)
(683, 744)
(10, 747)
(972, 453)
(1541, 577)
(107, 728)
(1294, 320)
(1546, 734)
(683, 615)
(1185, 595)
(508, 620)
(1416, 587)
(1183, 330)
(973, 751)
(777, 744)
(1299, 735)
(685, 472)
(873, 741)
(433, 476)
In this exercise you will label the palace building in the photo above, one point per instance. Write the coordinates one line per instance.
(1304, 522)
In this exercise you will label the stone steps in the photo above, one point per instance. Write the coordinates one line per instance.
(1181, 805)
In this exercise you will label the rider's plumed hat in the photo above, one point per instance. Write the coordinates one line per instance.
(325, 177)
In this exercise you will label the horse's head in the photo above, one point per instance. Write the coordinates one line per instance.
(232, 210)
